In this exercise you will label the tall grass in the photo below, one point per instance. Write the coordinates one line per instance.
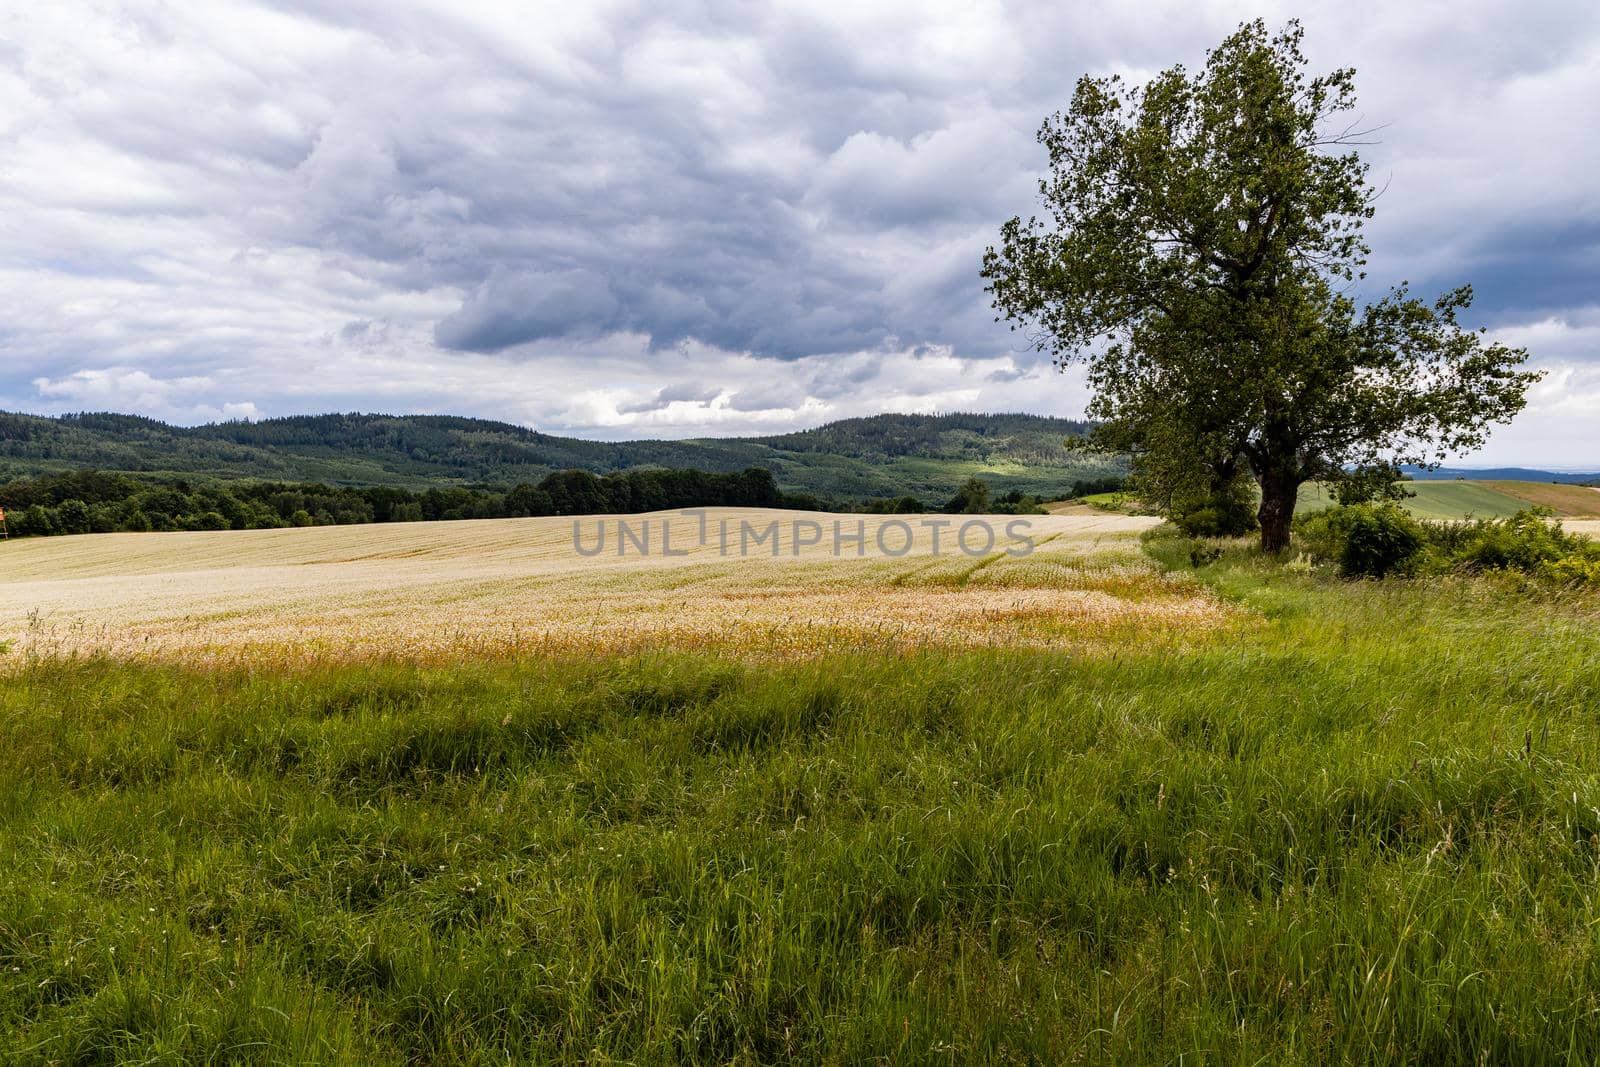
(1364, 829)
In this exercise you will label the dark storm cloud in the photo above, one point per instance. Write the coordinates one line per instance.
(1531, 270)
(599, 215)
(624, 194)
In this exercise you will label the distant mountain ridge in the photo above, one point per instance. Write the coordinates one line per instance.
(1501, 474)
(880, 455)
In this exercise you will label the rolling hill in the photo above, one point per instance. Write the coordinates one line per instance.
(883, 455)
(1490, 499)
(1499, 474)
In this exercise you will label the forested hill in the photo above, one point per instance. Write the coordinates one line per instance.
(883, 455)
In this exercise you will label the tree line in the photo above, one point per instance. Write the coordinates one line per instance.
(88, 501)
(100, 502)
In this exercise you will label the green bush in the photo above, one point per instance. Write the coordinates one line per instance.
(1382, 540)
(1522, 542)
(1573, 570)
(1375, 540)
(1225, 511)
(1322, 534)
(1366, 540)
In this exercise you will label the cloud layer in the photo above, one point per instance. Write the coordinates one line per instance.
(627, 218)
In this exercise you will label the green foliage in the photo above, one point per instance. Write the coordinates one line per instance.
(47, 505)
(1225, 511)
(1521, 542)
(1379, 541)
(1083, 487)
(1209, 225)
(1365, 540)
(1371, 484)
(1529, 542)
(971, 499)
(1016, 502)
(1575, 569)
(72, 517)
(1374, 540)
(900, 505)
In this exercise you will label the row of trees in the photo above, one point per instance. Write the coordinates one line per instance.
(97, 502)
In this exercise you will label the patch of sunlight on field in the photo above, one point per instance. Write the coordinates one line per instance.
(1586, 527)
(1577, 501)
(434, 591)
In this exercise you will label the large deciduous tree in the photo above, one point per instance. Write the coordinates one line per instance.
(1201, 245)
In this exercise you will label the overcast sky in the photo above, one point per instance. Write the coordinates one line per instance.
(661, 219)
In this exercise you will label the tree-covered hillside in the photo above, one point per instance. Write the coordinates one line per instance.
(880, 456)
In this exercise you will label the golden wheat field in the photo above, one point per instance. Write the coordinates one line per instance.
(1586, 527)
(434, 591)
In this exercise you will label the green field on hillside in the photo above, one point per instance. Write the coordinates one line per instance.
(1360, 823)
(1578, 501)
(1442, 499)
(1435, 499)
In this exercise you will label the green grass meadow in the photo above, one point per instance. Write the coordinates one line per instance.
(1433, 500)
(1360, 827)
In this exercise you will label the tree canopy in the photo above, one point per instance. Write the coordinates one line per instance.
(1201, 250)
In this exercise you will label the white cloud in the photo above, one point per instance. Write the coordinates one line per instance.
(176, 399)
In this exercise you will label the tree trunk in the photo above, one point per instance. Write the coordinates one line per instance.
(1277, 511)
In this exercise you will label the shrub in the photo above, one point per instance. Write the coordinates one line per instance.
(1529, 542)
(1016, 502)
(1216, 520)
(1572, 570)
(899, 505)
(1366, 540)
(1225, 511)
(1323, 533)
(1381, 540)
(1374, 540)
(1522, 542)
(34, 521)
